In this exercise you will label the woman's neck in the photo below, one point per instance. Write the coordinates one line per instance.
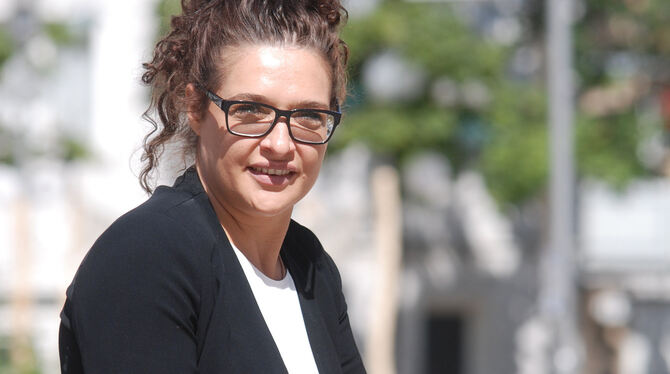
(259, 238)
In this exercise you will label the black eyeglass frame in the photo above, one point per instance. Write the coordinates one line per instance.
(225, 105)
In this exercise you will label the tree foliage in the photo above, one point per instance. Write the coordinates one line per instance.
(6, 44)
(15, 146)
(506, 139)
(622, 56)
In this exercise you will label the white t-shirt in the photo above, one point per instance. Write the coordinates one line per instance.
(279, 304)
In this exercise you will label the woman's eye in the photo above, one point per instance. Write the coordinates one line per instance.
(245, 108)
(314, 115)
(310, 119)
(309, 116)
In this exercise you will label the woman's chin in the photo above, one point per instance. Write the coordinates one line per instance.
(272, 206)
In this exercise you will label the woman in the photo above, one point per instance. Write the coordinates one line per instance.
(211, 275)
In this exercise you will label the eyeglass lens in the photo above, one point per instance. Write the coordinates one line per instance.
(255, 119)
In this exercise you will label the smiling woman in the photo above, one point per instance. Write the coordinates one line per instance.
(211, 275)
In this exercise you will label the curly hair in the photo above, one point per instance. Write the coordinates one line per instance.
(193, 52)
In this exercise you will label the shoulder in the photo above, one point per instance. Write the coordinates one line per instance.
(165, 236)
(168, 220)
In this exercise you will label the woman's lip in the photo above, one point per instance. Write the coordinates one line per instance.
(276, 167)
(270, 170)
(263, 176)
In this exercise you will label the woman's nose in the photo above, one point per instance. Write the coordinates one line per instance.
(279, 141)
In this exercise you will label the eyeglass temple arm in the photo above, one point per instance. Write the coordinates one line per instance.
(212, 96)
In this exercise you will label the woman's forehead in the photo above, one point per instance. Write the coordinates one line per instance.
(270, 53)
(269, 70)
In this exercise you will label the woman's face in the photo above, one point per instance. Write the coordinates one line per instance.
(265, 176)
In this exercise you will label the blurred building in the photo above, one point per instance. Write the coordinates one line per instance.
(625, 249)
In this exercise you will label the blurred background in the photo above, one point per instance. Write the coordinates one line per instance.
(497, 197)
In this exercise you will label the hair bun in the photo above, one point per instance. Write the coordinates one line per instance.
(332, 11)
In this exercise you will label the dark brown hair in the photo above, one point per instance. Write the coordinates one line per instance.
(192, 52)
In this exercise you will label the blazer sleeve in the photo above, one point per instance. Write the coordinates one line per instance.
(350, 358)
(133, 305)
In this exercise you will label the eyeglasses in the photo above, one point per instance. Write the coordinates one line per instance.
(254, 120)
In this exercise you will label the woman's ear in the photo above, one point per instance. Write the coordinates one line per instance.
(193, 109)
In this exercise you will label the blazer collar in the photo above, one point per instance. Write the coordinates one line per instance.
(298, 261)
(189, 181)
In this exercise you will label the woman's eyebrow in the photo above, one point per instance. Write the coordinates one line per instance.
(311, 105)
(305, 104)
(249, 97)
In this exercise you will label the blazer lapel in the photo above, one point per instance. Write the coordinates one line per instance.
(322, 345)
(247, 325)
(302, 269)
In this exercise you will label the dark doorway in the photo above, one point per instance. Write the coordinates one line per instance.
(445, 344)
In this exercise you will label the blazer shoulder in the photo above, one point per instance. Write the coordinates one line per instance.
(168, 231)
(177, 216)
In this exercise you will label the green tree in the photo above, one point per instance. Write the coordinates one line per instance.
(505, 134)
(507, 139)
(6, 45)
(622, 55)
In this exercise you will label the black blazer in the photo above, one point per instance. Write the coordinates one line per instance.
(161, 291)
